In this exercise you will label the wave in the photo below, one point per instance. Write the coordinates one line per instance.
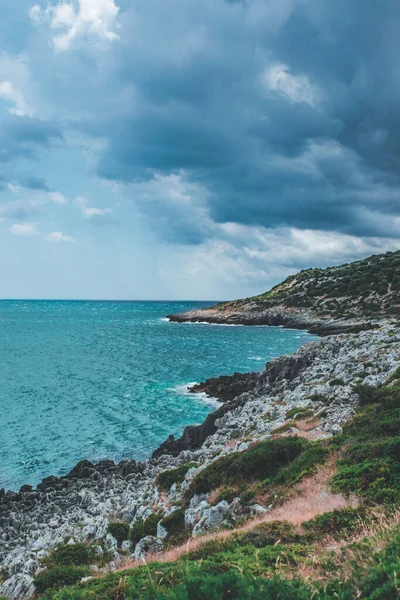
(183, 390)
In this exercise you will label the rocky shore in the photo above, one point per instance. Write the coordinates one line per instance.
(318, 379)
(253, 313)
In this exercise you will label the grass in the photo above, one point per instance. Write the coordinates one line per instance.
(254, 464)
(341, 552)
(119, 530)
(141, 529)
(166, 479)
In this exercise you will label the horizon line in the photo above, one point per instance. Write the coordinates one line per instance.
(103, 300)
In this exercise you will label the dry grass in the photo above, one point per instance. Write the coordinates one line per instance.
(213, 496)
(308, 424)
(307, 499)
(378, 533)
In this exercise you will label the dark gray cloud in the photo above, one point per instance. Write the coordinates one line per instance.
(21, 136)
(285, 112)
(33, 182)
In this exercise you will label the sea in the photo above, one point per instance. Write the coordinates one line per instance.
(94, 380)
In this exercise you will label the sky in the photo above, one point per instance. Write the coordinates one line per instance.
(194, 149)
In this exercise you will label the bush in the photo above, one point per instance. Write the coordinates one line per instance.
(268, 534)
(318, 398)
(141, 529)
(285, 427)
(175, 526)
(227, 493)
(258, 462)
(227, 586)
(69, 554)
(304, 465)
(299, 413)
(120, 531)
(370, 466)
(337, 521)
(337, 381)
(58, 577)
(167, 478)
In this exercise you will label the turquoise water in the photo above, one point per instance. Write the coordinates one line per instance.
(107, 379)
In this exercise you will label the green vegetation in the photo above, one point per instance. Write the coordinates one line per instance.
(258, 462)
(58, 577)
(175, 526)
(120, 531)
(70, 554)
(337, 381)
(299, 413)
(66, 565)
(167, 478)
(285, 427)
(368, 288)
(141, 529)
(338, 522)
(278, 560)
(263, 563)
(370, 465)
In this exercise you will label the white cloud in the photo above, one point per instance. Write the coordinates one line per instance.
(58, 236)
(40, 196)
(96, 212)
(91, 212)
(97, 18)
(56, 197)
(15, 189)
(297, 88)
(10, 94)
(24, 229)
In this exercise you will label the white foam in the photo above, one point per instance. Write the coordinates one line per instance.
(183, 390)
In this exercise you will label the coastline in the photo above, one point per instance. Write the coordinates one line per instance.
(294, 319)
(81, 505)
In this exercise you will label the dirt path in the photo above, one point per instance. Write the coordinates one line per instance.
(308, 499)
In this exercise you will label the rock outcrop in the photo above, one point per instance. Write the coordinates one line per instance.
(346, 298)
(318, 380)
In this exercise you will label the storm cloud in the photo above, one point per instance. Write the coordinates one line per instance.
(236, 141)
(286, 113)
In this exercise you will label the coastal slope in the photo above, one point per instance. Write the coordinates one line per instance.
(300, 458)
(332, 300)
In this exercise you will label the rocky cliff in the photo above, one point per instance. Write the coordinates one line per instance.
(273, 430)
(348, 297)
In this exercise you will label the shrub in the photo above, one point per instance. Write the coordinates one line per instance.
(299, 413)
(284, 427)
(141, 529)
(209, 548)
(337, 521)
(370, 465)
(69, 554)
(227, 586)
(256, 463)
(175, 526)
(227, 493)
(268, 534)
(58, 577)
(337, 381)
(318, 398)
(120, 531)
(167, 478)
(304, 465)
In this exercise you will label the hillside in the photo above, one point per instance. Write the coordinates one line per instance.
(298, 514)
(293, 493)
(289, 490)
(340, 298)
